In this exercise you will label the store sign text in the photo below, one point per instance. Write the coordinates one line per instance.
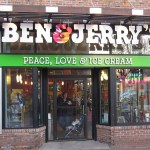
(73, 61)
(95, 33)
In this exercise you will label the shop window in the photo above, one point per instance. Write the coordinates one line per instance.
(40, 101)
(133, 95)
(18, 98)
(104, 105)
(18, 47)
(70, 72)
(72, 48)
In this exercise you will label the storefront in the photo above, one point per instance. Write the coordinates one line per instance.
(104, 69)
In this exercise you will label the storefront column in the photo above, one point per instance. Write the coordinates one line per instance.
(0, 100)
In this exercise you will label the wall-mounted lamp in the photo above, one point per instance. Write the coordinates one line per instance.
(7, 19)
(50, 20)
(46, 20)
(84, 21)
(10, 20)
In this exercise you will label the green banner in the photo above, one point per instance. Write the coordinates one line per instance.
(73, 61)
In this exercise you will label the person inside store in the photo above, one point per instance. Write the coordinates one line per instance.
(20, 100)
(64, 111)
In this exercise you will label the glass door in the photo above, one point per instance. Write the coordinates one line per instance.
(70, 106)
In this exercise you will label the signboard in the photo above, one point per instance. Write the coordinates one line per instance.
(103, 34)
(73, 61)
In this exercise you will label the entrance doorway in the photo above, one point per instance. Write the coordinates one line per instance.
(69, 107)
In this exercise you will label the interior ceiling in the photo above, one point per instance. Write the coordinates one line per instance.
(73, 18)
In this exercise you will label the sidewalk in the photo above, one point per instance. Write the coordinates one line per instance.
(82, 145)
(75, 145)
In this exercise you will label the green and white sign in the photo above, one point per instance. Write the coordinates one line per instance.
(74, 61)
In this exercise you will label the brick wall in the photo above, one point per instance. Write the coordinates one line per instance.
(84, 3)
(125, 136)
(22, 139)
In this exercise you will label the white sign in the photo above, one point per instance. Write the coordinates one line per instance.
(6, 8)
(101, 34)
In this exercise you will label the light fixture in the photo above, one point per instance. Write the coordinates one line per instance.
(19, 78)
(93, 10)
(50, 9)
(67, 22)
(62, 83)
(21, 81)
(46, 20)
(105, 23)
(10, 20)
(5, 19)
(6, 8)
(84, 21)
(50, 20)
(121, 22)
(28, 21)
(104, 75)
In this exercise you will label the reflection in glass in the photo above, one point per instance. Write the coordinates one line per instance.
(18, 47)
(142, 48)
(89, 108)
(70, 72)
(40, 100)
(72, 48)
(104, 96)
(74, 108)
(70, 106)
(133, 95)
(18, 98)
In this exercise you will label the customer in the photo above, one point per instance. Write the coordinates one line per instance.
(64, 113)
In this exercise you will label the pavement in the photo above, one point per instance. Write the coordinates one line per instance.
(82, 145)
(75, 145)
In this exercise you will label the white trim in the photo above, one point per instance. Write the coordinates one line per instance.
(6, 8)
(95, 10)
(138, 12)
(51, 9)
(0, 100)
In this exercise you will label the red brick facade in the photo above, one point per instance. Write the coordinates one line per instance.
(125, 136)
(117, 136)
(20, 139)
(144, 4)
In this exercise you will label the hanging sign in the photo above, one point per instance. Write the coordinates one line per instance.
(102, 34)
(74, 61)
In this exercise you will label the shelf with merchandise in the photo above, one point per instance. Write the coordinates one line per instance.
(15, 115)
